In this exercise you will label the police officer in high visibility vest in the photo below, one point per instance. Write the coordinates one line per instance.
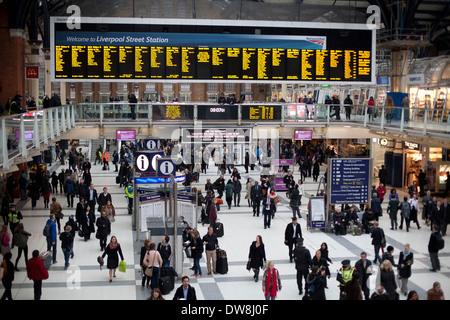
(14, 217)
(130, 194)
(15, 106)
(345, 274)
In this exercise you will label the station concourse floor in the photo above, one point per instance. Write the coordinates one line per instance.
(85, 281)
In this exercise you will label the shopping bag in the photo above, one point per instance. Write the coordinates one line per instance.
(122, 266)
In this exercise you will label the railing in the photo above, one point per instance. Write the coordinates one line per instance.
(23, 132)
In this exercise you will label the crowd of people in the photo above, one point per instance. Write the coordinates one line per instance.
(95, 213)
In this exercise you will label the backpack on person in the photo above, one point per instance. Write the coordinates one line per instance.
(406, 209)
(47, 230)
(440, 241)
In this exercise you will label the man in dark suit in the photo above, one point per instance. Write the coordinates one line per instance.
(364, 268)
(256, 196)
(91, 198)
(292, 233)
(437, 215)
(268, 207)
(185, 291)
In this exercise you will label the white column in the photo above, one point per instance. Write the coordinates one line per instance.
(51, 124)
(22, 142)
(4, 144)
(63, 118)
(37, 143)
(44, 124)
(57, 127)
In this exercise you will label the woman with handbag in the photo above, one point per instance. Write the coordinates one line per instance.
(113, 250)
(153, 263)
(21, 241)
(144, 249)
(256, 257)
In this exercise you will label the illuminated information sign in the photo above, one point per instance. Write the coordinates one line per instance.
(122, 53)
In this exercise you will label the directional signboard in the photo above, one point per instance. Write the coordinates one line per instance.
(349, 180)
(146, 161)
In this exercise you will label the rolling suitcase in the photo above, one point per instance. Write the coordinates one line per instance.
(46, 256)
(221, 262)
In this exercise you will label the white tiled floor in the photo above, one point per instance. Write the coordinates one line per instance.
(84, 280)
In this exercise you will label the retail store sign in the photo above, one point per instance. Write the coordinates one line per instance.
(31, 72)
(418, 78)
(412, 146)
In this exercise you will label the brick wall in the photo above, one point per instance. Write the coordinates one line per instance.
(12, 63)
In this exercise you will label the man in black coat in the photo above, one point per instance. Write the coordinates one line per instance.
(103, 199)
(185, 291)
(291, 234)
(256, 197)
(433, 248)
(377, 235)
(303, 262)
(219, 185)
(375, 205)
(437, 215)
(295, 202)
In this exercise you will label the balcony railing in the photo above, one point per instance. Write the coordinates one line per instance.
(22, 133)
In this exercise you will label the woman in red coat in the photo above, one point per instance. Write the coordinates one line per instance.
(36, 271)
(271, 283)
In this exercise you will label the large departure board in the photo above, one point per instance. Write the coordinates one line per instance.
(202, 53)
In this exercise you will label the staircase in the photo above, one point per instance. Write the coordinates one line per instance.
(94, 145)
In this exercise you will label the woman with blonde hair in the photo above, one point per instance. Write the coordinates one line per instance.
(110, 211)
(436, 292)
(386, 278)
(271, 283)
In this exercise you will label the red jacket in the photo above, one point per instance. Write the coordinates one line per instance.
(36, 269)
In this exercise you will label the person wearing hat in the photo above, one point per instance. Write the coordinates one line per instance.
(14, 217)
(303, 262)
(345, 274)
(292, 232)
